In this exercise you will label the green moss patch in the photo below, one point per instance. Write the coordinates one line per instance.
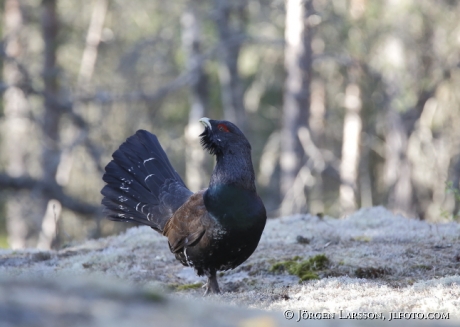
(185, 287)
(304, 269)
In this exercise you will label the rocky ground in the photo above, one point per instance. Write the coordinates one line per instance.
(371, 262)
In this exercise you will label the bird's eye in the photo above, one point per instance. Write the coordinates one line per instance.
(222, 128)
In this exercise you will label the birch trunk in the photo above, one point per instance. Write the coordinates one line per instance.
(195, 157)
(352, 127)
(296, 106)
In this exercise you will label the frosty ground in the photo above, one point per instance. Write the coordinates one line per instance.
(377, 262)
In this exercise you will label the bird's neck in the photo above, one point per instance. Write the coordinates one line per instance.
(231, 197)
(235, 169)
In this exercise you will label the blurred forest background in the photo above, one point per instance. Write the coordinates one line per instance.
(347, 103)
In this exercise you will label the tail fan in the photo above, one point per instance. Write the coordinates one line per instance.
(142, 186)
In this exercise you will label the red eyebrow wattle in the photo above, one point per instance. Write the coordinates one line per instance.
(223, 127)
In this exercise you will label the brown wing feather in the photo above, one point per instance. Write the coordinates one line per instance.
(188, 224)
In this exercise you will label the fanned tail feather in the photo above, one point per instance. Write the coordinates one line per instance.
(142, 186)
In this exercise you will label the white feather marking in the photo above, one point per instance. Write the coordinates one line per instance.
(190, 263)
(148, 160)
(145, 180)
(137, 205)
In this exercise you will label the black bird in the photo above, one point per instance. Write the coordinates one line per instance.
(214, 229)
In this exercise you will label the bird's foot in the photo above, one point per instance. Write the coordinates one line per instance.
(211, 287)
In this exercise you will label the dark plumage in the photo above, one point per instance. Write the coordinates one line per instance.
(214, 229)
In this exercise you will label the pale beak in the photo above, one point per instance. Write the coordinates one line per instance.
(206, 123)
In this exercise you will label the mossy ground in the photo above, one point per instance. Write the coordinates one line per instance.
(304, 269)
(405, 263)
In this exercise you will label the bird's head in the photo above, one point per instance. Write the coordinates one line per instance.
(221, 136)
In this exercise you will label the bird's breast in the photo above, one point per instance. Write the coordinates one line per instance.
(234, 208)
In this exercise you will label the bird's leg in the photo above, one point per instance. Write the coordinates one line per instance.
(212, 286)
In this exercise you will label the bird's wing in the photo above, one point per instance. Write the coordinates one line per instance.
(188, 224)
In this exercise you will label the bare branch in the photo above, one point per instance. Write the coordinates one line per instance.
(51, 190)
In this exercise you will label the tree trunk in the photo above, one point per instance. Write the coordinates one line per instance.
(93, 38)
(317, 123)
(397, 173)
(51, 152)
(296, 107)
(15, 127)
(195, 157)
(230, 38)
(87, 66)
(456, 186)
(352, 126)
(365, 175)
